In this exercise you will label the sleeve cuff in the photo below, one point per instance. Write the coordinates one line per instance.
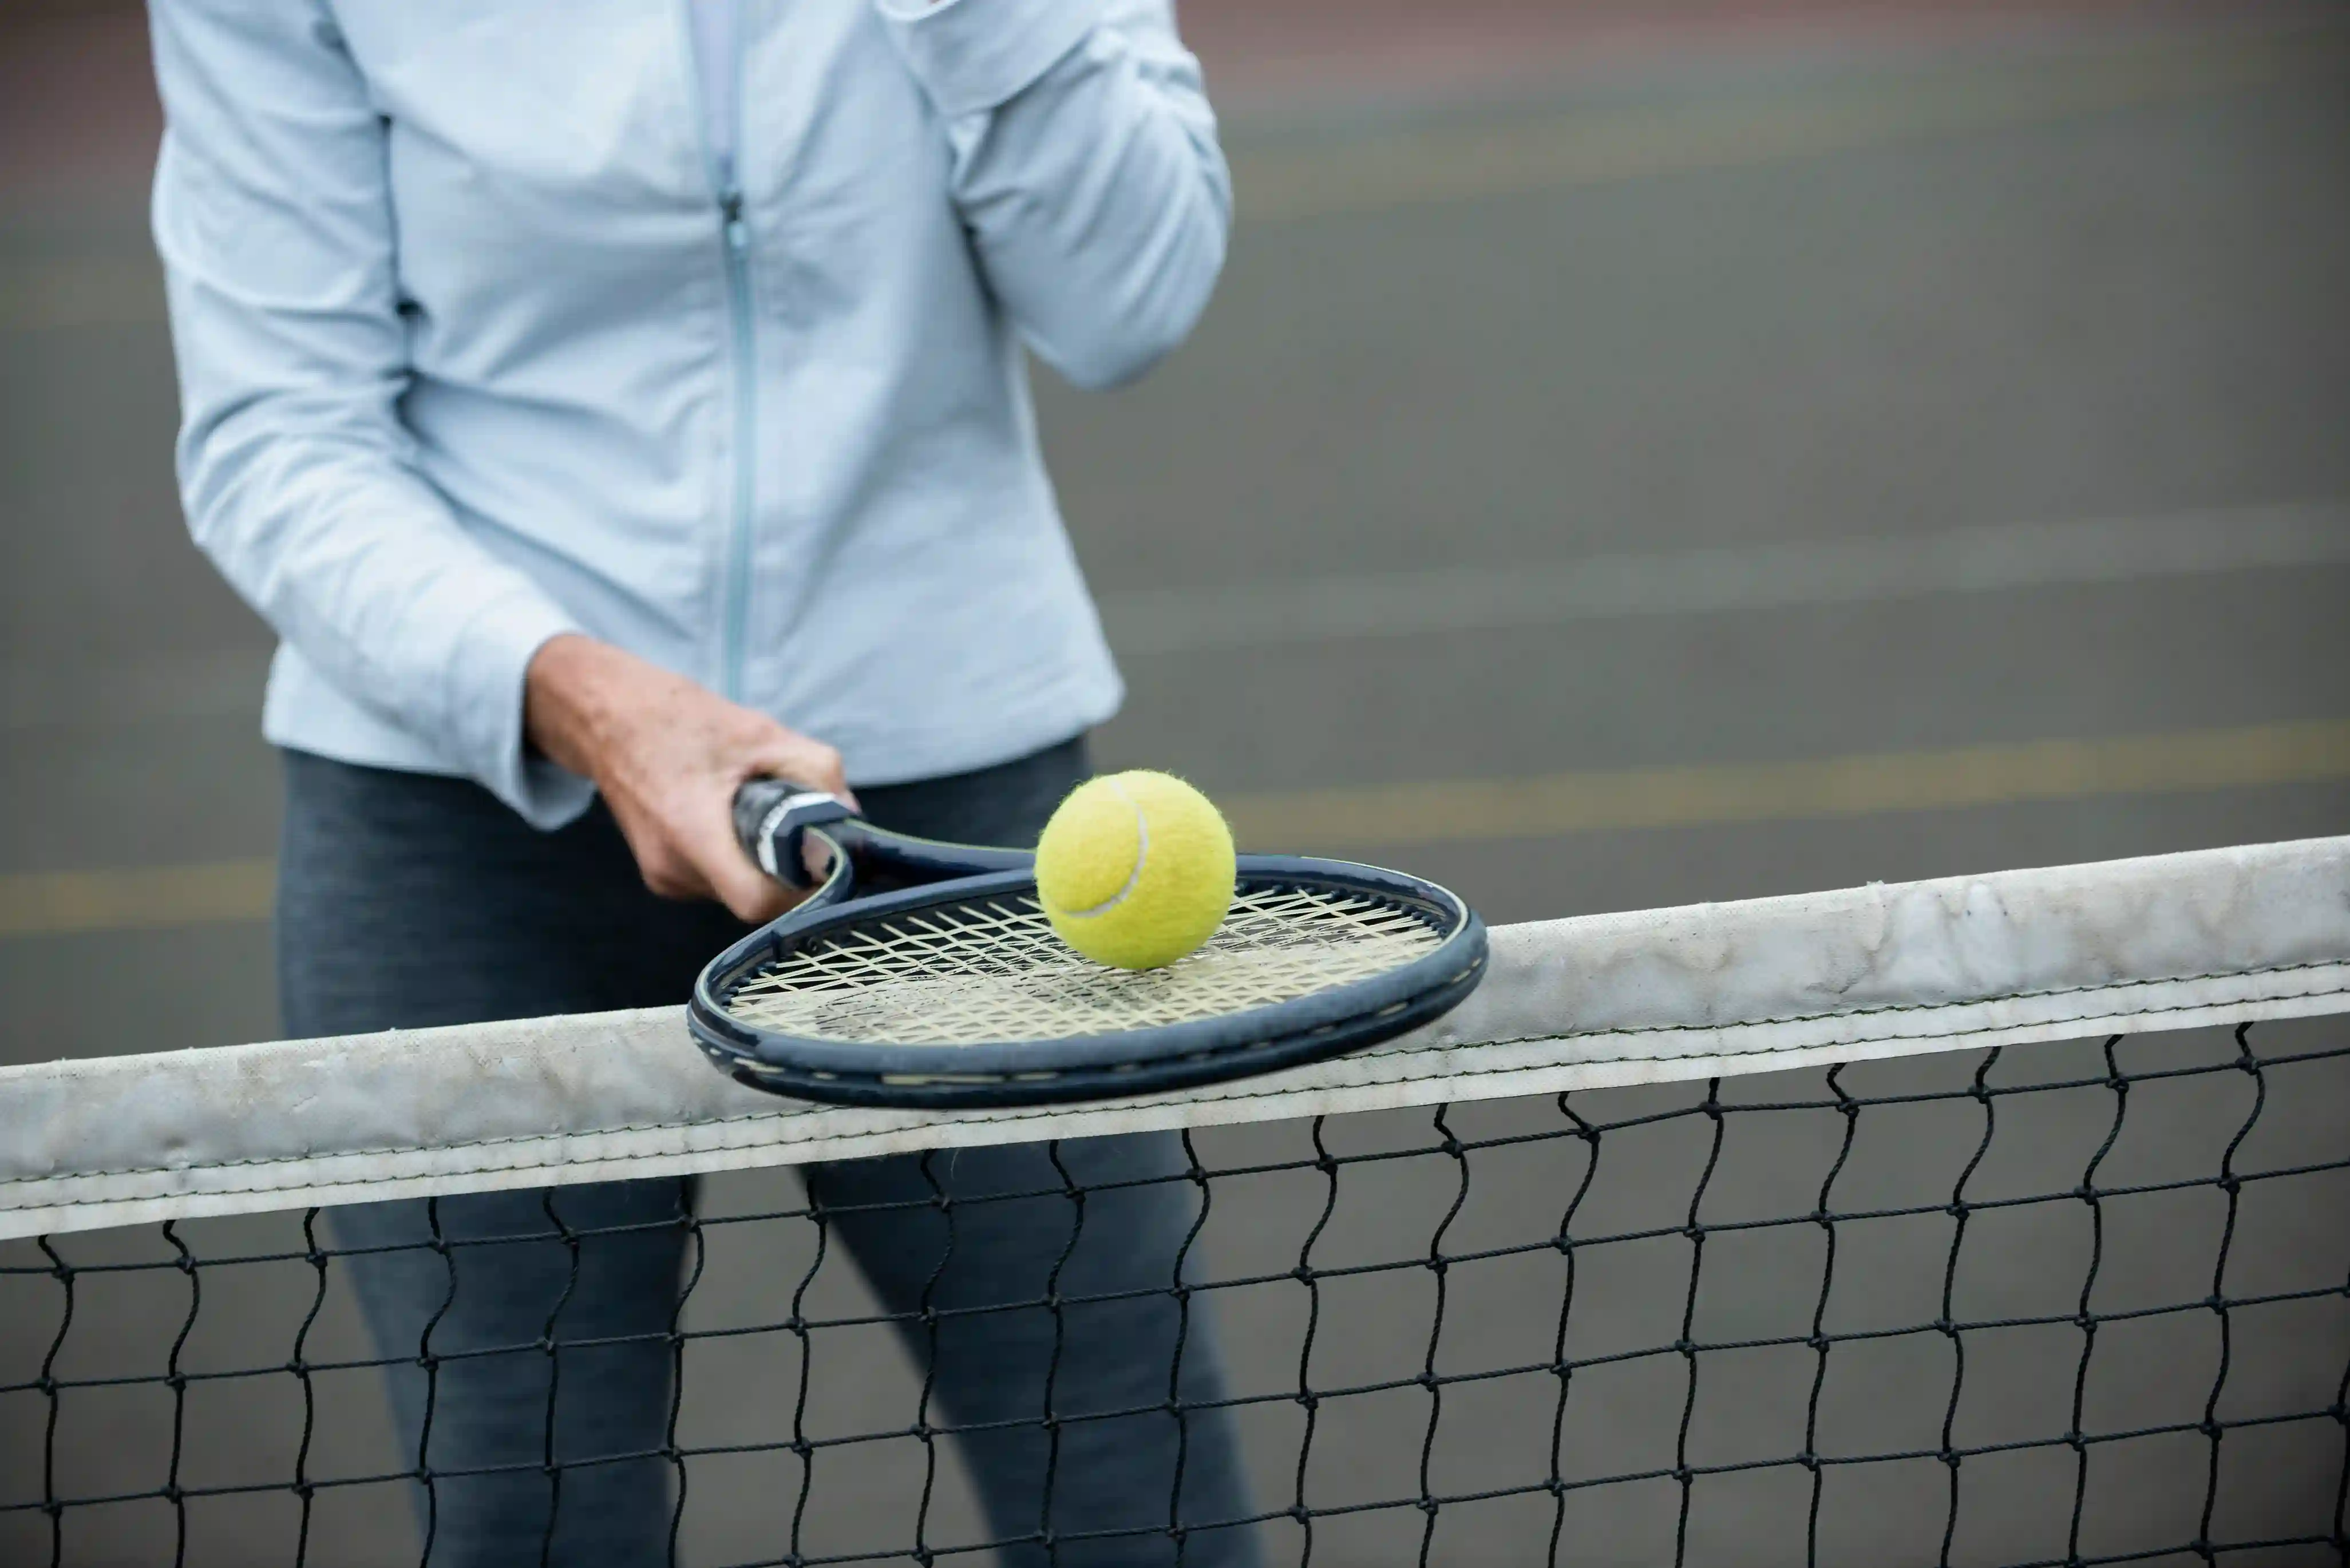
(486, 708)
(972, 56)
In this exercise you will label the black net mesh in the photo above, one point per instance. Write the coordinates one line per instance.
(2082, 1304)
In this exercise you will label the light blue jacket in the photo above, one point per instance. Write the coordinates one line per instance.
(478, 344)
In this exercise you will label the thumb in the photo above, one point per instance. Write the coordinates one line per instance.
(795, 759)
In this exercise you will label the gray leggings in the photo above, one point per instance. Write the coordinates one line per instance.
(407, 900)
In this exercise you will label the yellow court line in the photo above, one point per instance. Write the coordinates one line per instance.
(131, 898)
(1379, 814)
(1610, 146)
(65, 903)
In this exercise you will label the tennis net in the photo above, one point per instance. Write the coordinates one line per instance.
(1996, 1219)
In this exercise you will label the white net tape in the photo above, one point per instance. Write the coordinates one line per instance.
(994, 970)
(2213, 937)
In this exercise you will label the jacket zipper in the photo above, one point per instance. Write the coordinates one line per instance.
(737, 236)
(734, 243)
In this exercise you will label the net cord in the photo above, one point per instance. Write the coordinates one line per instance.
(2213, 937)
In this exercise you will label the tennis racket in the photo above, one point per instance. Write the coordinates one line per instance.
(926, 975)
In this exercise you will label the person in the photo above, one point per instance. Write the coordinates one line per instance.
(607, 405)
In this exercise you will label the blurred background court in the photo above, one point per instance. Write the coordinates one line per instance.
(1693, 288)
(1732, 446)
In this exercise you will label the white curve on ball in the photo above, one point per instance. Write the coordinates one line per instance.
(1141, 854)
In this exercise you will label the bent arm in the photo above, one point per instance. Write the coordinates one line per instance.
(1085, 166)
(273, 215)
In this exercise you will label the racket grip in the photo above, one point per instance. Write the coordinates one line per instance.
(770, 815)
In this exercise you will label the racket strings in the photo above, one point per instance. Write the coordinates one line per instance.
(991, 969)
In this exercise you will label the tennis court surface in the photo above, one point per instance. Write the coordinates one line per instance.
(1992, 1219)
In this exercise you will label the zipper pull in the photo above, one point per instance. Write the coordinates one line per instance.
(738, 233)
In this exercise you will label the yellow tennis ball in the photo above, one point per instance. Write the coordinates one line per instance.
(1135, 869)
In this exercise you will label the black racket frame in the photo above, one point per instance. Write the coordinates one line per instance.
(929, 874)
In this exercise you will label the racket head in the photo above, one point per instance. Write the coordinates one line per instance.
(959, 994)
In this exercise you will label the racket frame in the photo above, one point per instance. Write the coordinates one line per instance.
(1033, 1071)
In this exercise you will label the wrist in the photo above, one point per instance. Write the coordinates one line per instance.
(567, 690)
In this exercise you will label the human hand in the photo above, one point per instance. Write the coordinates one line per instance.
(668, 755)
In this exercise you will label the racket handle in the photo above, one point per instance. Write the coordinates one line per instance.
(770, 815)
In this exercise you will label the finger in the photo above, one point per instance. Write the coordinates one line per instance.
(817, 857)
(820, 765)
(679, 884)
(758, 902)
(666, 873)
(736, 881)
(801, 760)
(752, 896)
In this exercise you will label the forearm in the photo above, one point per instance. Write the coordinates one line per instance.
(358, 564)
(273, 222)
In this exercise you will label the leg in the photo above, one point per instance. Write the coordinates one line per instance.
(1097, 1218)
(407, 901)
(501, 1288)
(990, 1261)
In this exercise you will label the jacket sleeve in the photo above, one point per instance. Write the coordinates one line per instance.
(272, 213)
(1085, 166)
